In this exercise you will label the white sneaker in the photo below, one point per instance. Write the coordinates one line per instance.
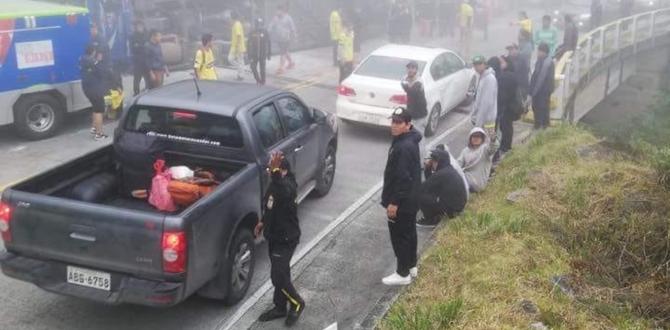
(414, 272)
(395, 279)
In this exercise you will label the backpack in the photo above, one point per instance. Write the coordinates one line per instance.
(186, 192)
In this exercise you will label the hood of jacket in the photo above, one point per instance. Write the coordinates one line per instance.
(475, 131)
(413, 135)
(443, 159)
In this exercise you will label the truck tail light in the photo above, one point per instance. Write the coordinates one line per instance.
(346, 91)
(399, 99)
(5, 218)
(174, 252)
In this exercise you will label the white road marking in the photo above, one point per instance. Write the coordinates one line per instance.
(260, 292)
(18, 148)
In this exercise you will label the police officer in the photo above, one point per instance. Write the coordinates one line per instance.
(282, 230)
(402, 179)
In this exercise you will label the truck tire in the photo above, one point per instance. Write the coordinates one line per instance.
(37, 116)
(239, 266)
(327, 173)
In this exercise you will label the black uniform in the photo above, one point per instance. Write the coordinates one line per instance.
(282, 231)
(138, 43)
(443, 192)
(402, 180)
(94, 81)
(260, 50)
(417, 105)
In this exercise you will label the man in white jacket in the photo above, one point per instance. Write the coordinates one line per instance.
(485, 110)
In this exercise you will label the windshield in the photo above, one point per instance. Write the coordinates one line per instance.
(185, 126)
(385, 67)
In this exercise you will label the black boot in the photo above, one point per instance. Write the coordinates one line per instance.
(272, 314)
(294, 314)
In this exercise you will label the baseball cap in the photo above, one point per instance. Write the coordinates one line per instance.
(479, 59)
(412, 64)
(401, 114)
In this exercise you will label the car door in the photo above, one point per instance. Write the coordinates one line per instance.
(302, 132)
(459, 77)
(436, 90)
(271, 134)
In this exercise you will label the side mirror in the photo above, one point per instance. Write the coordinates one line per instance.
(319, 117)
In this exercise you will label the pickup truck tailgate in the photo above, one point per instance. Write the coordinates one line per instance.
(90, 235)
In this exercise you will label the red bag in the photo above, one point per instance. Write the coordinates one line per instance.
(160, 197)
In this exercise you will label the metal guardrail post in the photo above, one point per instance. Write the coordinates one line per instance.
(617, 38)
(589, 51)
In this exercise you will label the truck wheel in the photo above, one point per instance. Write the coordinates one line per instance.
(433, 120)
(37, 116)
(239, 266)
(327, 174)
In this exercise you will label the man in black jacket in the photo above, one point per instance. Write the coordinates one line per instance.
(138, 43)
(443, 192)
(402, 179)
(281, 229)
(417, 106)
(542, 86)
(259, 49)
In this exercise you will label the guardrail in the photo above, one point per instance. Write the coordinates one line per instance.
(601, 47)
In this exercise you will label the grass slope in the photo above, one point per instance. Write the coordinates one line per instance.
(593, 220)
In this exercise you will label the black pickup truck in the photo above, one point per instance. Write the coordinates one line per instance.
(76, 229)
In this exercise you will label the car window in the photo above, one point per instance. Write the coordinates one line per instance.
(454, 63)
(386, 67)
(295, 115)
(439, 69)
(185, 126)
(268, 125)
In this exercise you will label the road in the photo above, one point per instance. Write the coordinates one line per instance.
(361, 159)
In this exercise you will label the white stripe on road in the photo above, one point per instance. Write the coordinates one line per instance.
(260, 292)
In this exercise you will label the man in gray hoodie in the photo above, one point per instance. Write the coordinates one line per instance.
(485, 110)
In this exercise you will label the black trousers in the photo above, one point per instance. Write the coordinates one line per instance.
(346, 68)
(507, 129)
(336, 46)
(404, 241)
(280, 274)
(140, 72)
(432, 209)
(541, 111)
(258, 68)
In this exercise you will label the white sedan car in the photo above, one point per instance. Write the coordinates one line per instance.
(373, 90)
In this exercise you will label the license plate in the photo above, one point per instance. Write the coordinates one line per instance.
(367, 118)
(89, 278)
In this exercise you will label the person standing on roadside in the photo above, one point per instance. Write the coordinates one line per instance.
(94, 82)
(525, 25)
(570, 37)
(204, 60)
(155, 62)
(507, 100)
(346, 50)
(238, 46)
(138, 43)
(596, 13)
(466, 18)
(542, 86)
(520, 61)
(284, 33)
(402, 181)
(547, 34)
(260, 50)
(485, 112)
(281, 228)
(444, 193)
(335, 32)
(417, 106)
